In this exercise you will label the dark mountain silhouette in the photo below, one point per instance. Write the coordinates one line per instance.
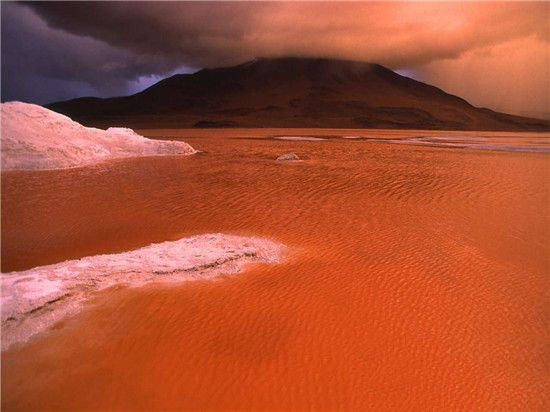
(293, 92)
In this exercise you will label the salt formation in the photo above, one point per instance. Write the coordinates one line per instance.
(299, 138)
(34, 299)
(288, 156)
(34, 137)
(476, 143)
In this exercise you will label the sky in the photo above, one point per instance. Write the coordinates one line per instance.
(494, 55)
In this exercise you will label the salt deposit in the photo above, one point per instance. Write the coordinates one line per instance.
(34, 299)
(288, 157)
(34, 137)
(299, 138)
(473, 144)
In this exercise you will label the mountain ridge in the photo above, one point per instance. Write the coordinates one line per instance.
(293, 92)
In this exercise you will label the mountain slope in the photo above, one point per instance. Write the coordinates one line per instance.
(293, 92)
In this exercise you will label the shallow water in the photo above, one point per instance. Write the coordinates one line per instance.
(418, 278)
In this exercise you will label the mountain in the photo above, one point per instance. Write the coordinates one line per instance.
(293, 92)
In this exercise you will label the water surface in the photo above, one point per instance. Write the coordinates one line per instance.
(418, 278)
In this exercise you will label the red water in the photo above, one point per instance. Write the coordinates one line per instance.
(418, 280)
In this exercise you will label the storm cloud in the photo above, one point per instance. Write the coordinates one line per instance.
(42, 64)
(109, 47)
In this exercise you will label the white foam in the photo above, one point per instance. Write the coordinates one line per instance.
(34, 137)
(299, 138)
(34, 299)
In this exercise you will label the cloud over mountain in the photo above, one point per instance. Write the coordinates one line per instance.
(131, 40)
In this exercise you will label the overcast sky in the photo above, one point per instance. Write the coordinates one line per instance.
(495, 55)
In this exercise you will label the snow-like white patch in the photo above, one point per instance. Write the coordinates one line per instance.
(467, 139)
(304, 138)
(34, 137)
(472, 144)
(289, 157)
(34, 299)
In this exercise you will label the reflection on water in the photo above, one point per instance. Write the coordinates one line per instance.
(418, 279)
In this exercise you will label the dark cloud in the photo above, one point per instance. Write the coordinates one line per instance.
(108, 45)
(41, 64)
(211, 34)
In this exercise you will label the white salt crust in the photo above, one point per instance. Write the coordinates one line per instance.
(299, 138)
(34, 299)
(34, 137)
